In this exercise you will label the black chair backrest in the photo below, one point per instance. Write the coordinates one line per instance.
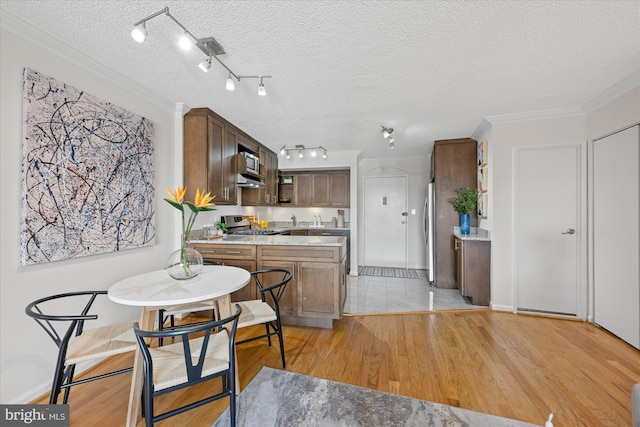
(272, 282)
(35, 311)
(194, 372)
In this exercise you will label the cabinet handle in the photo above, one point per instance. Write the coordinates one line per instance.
(456, 244)
(207, 251)
(234, 252)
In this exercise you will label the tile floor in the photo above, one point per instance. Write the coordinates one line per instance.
(368, 294)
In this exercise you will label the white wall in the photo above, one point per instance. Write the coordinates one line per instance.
(506, 136)
(418, 171)
(27, 355)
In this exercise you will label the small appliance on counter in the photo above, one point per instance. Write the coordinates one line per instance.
(239, 225)
(340, 221)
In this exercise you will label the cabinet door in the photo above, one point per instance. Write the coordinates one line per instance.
(229, 151)
(460, 265)
(318, 288)
(320, 190)
(249, 292)
(339, 193)
(302, 189)
(288, 300)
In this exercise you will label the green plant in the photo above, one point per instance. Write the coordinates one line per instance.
(466, 201)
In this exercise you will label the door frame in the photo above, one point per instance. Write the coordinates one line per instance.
(364, 215)
(582, 291)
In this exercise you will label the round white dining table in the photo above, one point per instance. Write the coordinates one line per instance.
(157, 290)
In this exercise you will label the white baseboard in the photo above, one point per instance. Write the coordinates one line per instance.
(498, 307)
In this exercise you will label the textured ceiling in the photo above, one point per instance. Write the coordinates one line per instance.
(341, 69)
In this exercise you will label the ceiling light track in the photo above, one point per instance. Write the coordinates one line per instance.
(301, 149)
(209, 46)
(386, 134)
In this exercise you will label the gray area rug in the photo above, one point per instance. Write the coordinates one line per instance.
(286, 399)
(400, 273)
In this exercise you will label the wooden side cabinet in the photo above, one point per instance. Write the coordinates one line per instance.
(209, 156)
(473, 269)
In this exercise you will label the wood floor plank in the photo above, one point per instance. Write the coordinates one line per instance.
(516, 366)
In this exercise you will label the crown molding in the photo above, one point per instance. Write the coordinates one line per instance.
(48, 42)
(614, 91)
(481, 130)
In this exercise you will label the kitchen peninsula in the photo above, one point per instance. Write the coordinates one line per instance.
(315, 296)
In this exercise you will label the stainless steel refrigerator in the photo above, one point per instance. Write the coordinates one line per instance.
(428, 229)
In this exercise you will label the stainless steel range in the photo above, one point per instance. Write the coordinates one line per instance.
(239, 225)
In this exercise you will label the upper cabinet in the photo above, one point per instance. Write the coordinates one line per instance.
(313, 188)
(267, 195)
(209, 156)
(212, 161)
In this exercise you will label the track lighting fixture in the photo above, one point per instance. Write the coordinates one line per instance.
(185, 42)
(386, 134)
(209, 46)
(205, 65)
(301, 149)
(261, 90)
(230, 85)
(139, 33)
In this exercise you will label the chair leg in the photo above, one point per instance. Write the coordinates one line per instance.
(266, 325)
(281, 343)
(232, 402)
(69, 376)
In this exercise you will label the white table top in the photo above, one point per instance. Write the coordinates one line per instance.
(157, 288)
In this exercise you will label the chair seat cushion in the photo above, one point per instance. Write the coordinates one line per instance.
(255, 312)
(169, 363)
(188, 308)
(102, 342)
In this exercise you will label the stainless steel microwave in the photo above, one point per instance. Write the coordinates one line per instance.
(253, 163)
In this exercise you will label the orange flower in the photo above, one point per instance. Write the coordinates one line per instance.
(178, 196)
(203, 200)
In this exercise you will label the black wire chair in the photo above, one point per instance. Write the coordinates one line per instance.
(271, 283)
(75, 344)
(196, 358)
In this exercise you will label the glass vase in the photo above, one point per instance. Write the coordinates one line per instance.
(464, 224)
(184, 263)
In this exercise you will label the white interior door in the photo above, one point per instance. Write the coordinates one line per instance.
(385, 226)
(616, 231)
(548, 229)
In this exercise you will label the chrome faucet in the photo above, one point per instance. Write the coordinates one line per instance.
(293, 218)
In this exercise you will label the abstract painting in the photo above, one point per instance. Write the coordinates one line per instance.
(87, 174)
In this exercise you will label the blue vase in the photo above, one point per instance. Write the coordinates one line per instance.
(464, 224)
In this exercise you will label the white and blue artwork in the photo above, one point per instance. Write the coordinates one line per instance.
(87, 174)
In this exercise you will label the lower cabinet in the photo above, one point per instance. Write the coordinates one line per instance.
(473, 269)
(240, 256)
(316, 293)
(333, 232)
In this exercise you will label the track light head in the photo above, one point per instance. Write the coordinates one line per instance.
(261, 90)
(324, 155)
(288, 156)
(139, 33)
(391, 144)
(230, 85)
(300, 155)
(185, 42)
(205, 65)
(386, 132)
(283, 151)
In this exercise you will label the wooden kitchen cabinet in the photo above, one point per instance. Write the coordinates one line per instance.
(323, 232)
(473, 269)
(453, 165)
(312, 188)
(315, 296)
(209, 156)
(241, 256)
(267, 195)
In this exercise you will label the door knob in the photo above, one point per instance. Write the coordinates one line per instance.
(570, 231)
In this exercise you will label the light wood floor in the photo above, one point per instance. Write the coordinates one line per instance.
(516, 366)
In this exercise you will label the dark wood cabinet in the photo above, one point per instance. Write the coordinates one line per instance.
(453, 166)
(209, 156)
(345, 233)
(473, 270)
(312, 188)
(267, 195)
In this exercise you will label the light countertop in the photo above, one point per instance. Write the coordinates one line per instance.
(479, 234)
(275, 240)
